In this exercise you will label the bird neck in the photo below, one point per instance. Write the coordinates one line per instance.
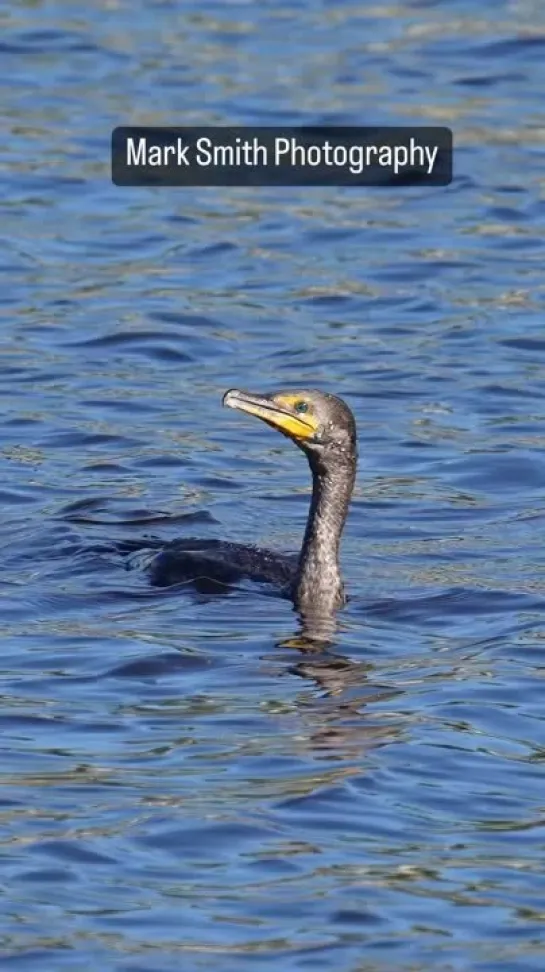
(318, 584)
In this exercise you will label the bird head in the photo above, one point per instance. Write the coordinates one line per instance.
(321, 425)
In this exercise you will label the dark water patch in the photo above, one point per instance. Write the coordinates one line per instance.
(329, 300)
(91, 510)
(34, 377)
(504, 391)
(218, 484)
(108, 468)
(508, 214)
(214, 250)
(185, 321)
(205, 841)
(158, 347)
(163, 462)
(17, 497)
(47, 875)
(517, 472)
(526, 47)
(386, 392)
(158, 666)
(454, 603)
(89, 440)
(182, 218)
(326, 234)
(131, 406)
(30, 41)
(524, 343)
(520, 243)
(73, 852)
(491, 80)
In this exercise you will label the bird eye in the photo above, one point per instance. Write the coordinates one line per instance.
(301, 407)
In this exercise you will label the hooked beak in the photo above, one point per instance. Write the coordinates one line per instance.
(274, 411)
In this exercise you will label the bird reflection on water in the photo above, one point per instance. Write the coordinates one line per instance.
(335, 713)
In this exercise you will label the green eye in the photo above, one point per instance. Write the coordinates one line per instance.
(301, 407)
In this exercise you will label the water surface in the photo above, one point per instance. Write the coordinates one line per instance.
(182, 786)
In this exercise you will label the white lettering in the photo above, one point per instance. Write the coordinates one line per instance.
(281, 147)
(136, 157)
(431, 155)
(155, 155)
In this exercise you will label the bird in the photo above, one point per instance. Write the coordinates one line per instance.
(323, 427)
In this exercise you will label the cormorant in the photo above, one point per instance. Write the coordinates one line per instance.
(323, 427)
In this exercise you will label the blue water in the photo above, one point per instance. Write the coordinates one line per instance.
(183, 786)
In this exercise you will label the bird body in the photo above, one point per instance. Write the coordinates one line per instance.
(220, 562)
(323, 427)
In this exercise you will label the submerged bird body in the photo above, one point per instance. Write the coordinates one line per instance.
(324, 428)
(220, 562)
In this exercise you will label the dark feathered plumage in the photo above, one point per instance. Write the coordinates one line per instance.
(324, 428)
